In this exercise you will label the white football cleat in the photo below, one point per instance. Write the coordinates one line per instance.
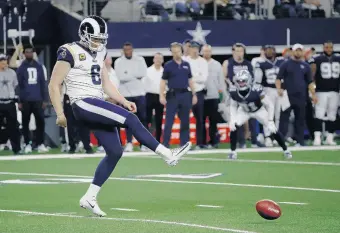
(42, 149)
(287, 154)
(128, 147)
(28, 149)
(80, 147)
(178, 153)
(144, 149)
(90, 203)
(100, 149)
(268, 142)
(317, 139)
(64, 148)
(330, 140)
(232, 155)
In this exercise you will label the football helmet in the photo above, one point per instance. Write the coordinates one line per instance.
(93, 33)
(243, 80)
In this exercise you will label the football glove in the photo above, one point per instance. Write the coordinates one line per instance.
(271, 127)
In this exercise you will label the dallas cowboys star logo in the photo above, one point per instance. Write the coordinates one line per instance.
(199, 34)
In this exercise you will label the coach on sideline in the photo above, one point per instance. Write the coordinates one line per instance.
(177, 75)
(199, 71)
(296, 75)
(130, 69)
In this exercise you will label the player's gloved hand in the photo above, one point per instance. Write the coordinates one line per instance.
(131, 106)
(61, 120)
(271, 127)
(232, 125)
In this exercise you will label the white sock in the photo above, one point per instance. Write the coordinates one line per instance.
(93, 191)
(162, 150)
(317, 134)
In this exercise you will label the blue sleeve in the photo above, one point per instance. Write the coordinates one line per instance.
(166, 72)
(282, 71)
(63, 54)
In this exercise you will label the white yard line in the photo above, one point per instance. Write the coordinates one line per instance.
(130, 220)
(125, 209)
(182, 182)
(147, 154)
(210, 206)
(291, 203)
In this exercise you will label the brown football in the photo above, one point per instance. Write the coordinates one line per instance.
(268, 209)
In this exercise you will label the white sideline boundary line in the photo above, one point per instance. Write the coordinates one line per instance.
(181, 182)
(292, 203)
(129, 220)
(210, 206)
(215, 151)
(125, 209)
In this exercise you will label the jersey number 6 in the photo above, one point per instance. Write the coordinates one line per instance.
(95, 74)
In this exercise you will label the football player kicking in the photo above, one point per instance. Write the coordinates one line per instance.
(326, 74)
(249, 101)
(81, 66)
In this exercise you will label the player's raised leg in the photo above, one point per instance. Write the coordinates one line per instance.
(111, 143)
(96, 111)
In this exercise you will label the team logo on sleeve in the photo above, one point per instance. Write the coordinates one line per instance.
(63, 53)
(82, 57)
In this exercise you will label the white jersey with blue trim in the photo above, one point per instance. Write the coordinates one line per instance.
(84, 78)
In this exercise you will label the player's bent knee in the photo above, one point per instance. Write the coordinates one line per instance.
(332, 117)
(114, 153)
(320, 114)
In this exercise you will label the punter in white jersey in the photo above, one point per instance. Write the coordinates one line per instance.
(81, 66)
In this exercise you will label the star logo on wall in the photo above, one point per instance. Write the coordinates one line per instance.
(199, 34)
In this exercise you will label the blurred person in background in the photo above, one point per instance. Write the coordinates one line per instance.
(199, 71)
(265, 74)
(155, 7)
(326, 75)
(152, 82)
(33, 98)
(130, 70)
(287, 53)
(186, 47)
(261, 58)
(8, 113)
(178, 99)
(215, 85)
(296, 76)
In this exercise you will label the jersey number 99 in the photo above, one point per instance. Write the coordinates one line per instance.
(95, 75)
(330, 70)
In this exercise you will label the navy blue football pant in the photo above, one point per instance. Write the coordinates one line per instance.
(298, 106)
(103, 118)
(198, 110)
(75, 131)
(28, 108)
(140, 102)
(211, 112)
(181, 103)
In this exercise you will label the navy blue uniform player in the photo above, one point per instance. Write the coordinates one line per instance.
(81, 66)
(249, 101)
(326, 72)
(265, 74)
(236, 64)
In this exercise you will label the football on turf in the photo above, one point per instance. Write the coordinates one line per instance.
(268, 209)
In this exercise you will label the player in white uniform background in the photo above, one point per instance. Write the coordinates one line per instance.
(81, 66)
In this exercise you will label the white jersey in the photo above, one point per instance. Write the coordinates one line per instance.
(84, 78)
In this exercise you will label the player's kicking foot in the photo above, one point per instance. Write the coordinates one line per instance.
(177, 154)
(287, 154)
(232, 155)
(91, 204)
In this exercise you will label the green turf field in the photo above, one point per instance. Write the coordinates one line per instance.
(164, 204)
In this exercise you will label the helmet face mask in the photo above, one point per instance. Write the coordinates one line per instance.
(243, 80)
(93, 33)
